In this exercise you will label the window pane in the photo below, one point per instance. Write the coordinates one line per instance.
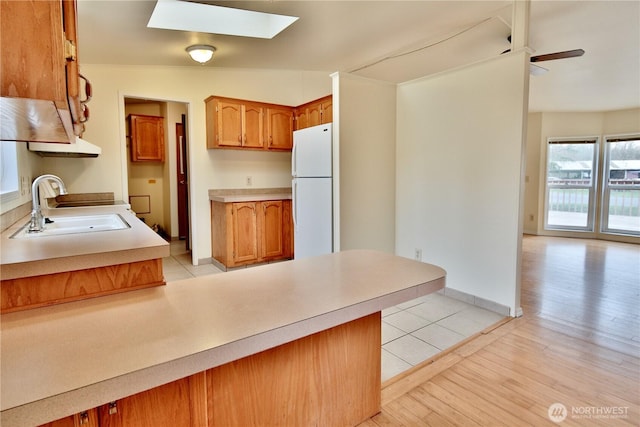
(568, 207)
(570, 170)
(622, 187)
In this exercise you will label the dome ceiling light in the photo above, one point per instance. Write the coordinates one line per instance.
(201, 53)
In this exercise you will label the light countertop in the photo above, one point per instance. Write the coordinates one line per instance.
(55, 254)
(249, 195)
(64, 359)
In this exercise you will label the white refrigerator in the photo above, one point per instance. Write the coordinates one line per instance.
(311, 168)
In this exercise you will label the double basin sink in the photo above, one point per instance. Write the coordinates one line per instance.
(60, 225)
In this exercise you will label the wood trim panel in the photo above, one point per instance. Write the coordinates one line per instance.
(37, 291)
(327, 379)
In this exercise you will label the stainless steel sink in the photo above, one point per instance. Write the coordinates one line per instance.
(60, 225)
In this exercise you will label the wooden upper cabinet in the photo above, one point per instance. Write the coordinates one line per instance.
(233, 123)
(33, 51)
(280, 128)
(314, 113)
(239, 124)
(39, 45)
(146, 138)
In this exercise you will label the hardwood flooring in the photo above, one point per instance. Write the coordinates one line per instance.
(573, 359)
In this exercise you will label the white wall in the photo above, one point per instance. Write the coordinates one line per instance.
(460, 141)
(543, 126)
(364, 114)
(209, 168)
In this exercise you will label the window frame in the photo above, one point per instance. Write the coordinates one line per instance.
(607, 187)
(593, 186)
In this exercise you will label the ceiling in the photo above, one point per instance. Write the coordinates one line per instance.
(397, 41)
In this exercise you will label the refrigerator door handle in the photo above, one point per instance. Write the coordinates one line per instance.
(294, 191)
(293, 161)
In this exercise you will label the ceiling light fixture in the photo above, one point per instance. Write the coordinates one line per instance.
(201, 53)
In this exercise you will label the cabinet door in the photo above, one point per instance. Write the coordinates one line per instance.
(147, 138)
(271, 233)
(315, 114)
(280, 128)
(78, 108)
(229, 123)
(287, 230)
(327, 110)
(170, 404)
(300, 118)
(245, 232)
(85, 419)
(32, 45)
(253, 125)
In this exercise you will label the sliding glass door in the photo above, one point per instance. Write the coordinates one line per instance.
(621, 189)
(570, 192)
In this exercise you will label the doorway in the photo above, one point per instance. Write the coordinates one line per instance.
(158, 189)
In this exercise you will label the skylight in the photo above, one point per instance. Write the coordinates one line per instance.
(206, 18)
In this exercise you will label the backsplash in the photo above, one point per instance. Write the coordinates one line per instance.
(9, 218)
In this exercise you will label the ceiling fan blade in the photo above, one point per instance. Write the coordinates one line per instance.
(558, 55)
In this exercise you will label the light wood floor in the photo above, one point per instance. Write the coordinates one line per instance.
(578, 344)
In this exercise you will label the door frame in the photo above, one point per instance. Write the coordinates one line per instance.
(171, 157)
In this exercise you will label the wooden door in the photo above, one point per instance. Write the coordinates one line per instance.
(245, 232)
(182, 180)
(229, 123)
(147, 138)
(253, 126)
(280, 128)
(271, 233)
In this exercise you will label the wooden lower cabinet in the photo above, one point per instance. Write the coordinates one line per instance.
(245, 233)
(330, 378)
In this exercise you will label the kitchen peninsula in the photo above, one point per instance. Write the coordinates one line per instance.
(294, 342)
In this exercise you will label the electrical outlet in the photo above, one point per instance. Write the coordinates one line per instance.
(418, 255)
(24, 186)
(531, 217)
(249, 181)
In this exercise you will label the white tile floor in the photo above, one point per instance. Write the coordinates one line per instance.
(411, 332)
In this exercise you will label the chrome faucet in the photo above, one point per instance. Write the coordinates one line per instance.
(37, 220)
